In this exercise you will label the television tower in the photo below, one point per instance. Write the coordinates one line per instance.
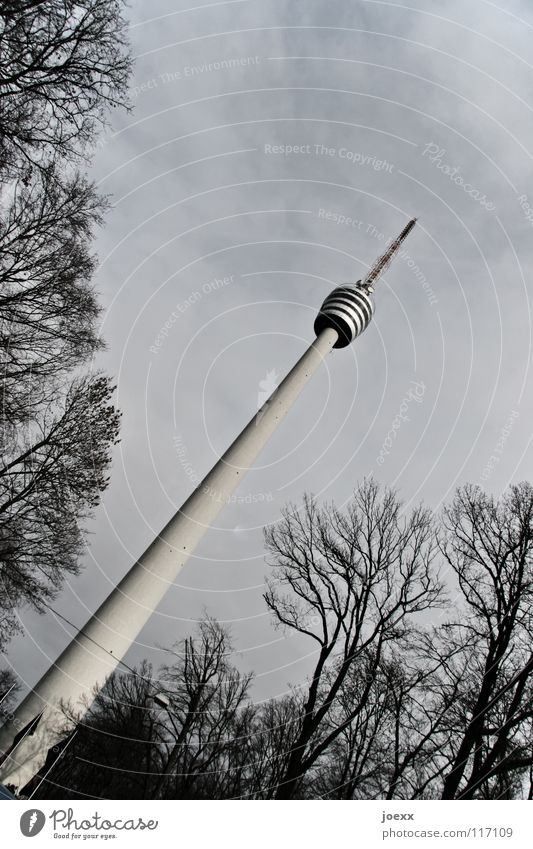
(38, 723)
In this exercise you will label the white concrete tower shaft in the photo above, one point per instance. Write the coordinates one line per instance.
(96, 650)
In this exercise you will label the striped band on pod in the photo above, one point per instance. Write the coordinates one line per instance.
(348, 310)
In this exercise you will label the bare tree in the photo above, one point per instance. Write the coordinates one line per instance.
(64, 64)
(361, 758)
(115, 750)
(49, 483)
(205, 695)
(357, 755)
(489, 546)
(9, 687)
(352, 582)
(179, 734)
(270, 735)
(397, 707)
(48, 309)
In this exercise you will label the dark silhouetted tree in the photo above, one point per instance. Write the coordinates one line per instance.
(353, 582)
(64, 64)
(489, 546)
(53, 479)
(174, 736)
(115, 750)
(206, 693)
(399, 706)
(9, 687)
(273, 730)
(48, 309)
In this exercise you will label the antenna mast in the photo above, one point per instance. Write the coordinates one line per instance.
(385, 259)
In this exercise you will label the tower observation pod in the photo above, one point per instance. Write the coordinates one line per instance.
(348, 310)
(38, 723)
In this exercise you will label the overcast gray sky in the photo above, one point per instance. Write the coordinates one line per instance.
(257, 126)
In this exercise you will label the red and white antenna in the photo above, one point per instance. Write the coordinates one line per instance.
(385, 259)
